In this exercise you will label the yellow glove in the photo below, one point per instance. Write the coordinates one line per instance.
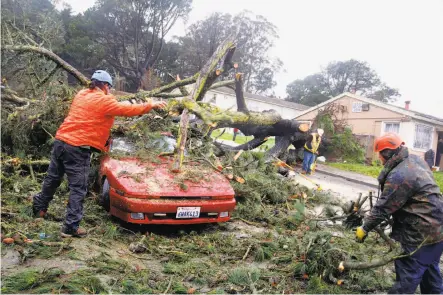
(360, 234)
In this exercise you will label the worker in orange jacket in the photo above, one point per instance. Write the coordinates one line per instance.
(85, 129)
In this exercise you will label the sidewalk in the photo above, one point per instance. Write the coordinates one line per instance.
(349, 176)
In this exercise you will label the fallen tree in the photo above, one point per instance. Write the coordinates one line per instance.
(258, 188)
(258, 124)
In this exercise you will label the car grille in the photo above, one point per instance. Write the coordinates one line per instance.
(186, 198)
(173, 216)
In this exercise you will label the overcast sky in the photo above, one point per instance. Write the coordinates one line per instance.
(401, 40)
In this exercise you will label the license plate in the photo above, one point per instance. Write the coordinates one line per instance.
(188, 212)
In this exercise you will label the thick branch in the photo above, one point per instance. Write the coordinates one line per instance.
(241, 103)
(209, 73)
(250, 145)
(52, 56)
(267, 123)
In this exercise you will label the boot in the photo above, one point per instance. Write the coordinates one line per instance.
(69, 232)
(39, 213)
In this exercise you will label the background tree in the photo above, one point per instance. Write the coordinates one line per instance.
(338, 77)
(133, 33)
(256, 36)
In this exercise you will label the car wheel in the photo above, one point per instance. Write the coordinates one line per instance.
(105, 201)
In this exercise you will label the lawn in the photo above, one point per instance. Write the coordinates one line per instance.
(240, 139)
(375, 170)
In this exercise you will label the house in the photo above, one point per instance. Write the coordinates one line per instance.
(370, 119)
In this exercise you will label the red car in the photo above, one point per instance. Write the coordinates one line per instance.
(147, 191)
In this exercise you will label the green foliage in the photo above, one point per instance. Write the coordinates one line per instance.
(317, 286)
(28, 279)
(345, 146)
(265, 251)
(178, 288)
(244, 276)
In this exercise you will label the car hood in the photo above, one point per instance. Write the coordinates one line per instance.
(141, 178)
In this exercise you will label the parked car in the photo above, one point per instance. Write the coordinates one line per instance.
(144, 191)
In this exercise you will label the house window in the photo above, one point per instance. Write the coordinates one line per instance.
(357, 107)
(423, 137)
(391, 127)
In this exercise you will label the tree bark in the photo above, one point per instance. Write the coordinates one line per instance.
(241, 103)
(205, 79)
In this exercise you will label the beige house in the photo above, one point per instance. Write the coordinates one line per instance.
(370, 119)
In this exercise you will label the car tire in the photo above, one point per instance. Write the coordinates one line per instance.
(105, 200)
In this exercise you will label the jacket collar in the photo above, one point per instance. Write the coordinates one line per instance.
(392, 163)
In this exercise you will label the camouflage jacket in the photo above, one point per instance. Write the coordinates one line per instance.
(411, 196)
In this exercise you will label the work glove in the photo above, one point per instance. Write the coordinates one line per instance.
(360, 234)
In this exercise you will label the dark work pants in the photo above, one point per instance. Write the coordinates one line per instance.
(75, 162)
(437, 159)
(422, 268)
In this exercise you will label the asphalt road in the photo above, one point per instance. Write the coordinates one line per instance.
(340, 187)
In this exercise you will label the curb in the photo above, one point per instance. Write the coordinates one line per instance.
(346, 178)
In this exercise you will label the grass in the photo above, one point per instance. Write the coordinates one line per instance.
(374, 171)
(369, 170)
(241, 139)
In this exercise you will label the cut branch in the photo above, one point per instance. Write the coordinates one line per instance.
(209, 73)
(380, 262)
(241, 103)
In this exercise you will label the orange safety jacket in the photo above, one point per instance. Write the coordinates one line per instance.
(91, 117)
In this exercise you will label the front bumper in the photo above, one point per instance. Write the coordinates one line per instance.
(122, 207)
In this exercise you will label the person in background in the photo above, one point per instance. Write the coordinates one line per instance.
(429, 158)
(235, 134)
(311, 150)
(439, 152)
(85, 129)
(411, 196)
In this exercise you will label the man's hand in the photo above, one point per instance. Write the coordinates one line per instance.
(360, 234)
(159, 104)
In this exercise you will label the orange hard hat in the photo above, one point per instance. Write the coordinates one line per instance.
(388, 141)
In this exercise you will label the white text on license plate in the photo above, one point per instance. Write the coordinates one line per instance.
(188, 212)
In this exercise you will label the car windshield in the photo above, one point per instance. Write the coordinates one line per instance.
(164, 144)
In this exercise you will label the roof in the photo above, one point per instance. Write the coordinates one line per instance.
(400, 110)
(270, 100)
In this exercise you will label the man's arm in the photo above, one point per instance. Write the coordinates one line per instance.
(395, 194)
(114, 108)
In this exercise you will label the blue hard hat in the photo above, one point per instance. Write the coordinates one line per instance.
(102, 76)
